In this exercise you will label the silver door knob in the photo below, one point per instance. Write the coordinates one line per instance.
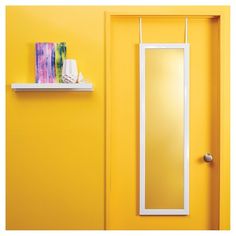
(208, 157)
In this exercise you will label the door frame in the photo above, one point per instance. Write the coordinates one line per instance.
(223, 12)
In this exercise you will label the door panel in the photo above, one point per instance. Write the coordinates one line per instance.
(123, 202)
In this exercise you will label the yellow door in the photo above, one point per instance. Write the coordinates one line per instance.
(123, 134)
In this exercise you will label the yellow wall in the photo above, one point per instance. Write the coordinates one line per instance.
(56, 141)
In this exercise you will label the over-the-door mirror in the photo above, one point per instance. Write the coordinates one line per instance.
(164, 129)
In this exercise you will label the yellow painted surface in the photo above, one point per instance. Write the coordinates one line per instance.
(123, 205)
(56, 141)
(225, 121)
(164, 85)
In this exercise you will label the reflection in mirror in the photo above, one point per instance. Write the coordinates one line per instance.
(164, 131)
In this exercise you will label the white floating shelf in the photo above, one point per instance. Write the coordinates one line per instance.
(52, 87)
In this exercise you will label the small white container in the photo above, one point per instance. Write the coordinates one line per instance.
(69, 71)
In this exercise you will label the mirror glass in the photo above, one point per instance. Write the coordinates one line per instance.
(164, 152)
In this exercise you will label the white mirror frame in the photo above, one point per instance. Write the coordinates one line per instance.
(142, 209)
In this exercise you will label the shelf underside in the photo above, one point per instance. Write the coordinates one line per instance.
(52, 87)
